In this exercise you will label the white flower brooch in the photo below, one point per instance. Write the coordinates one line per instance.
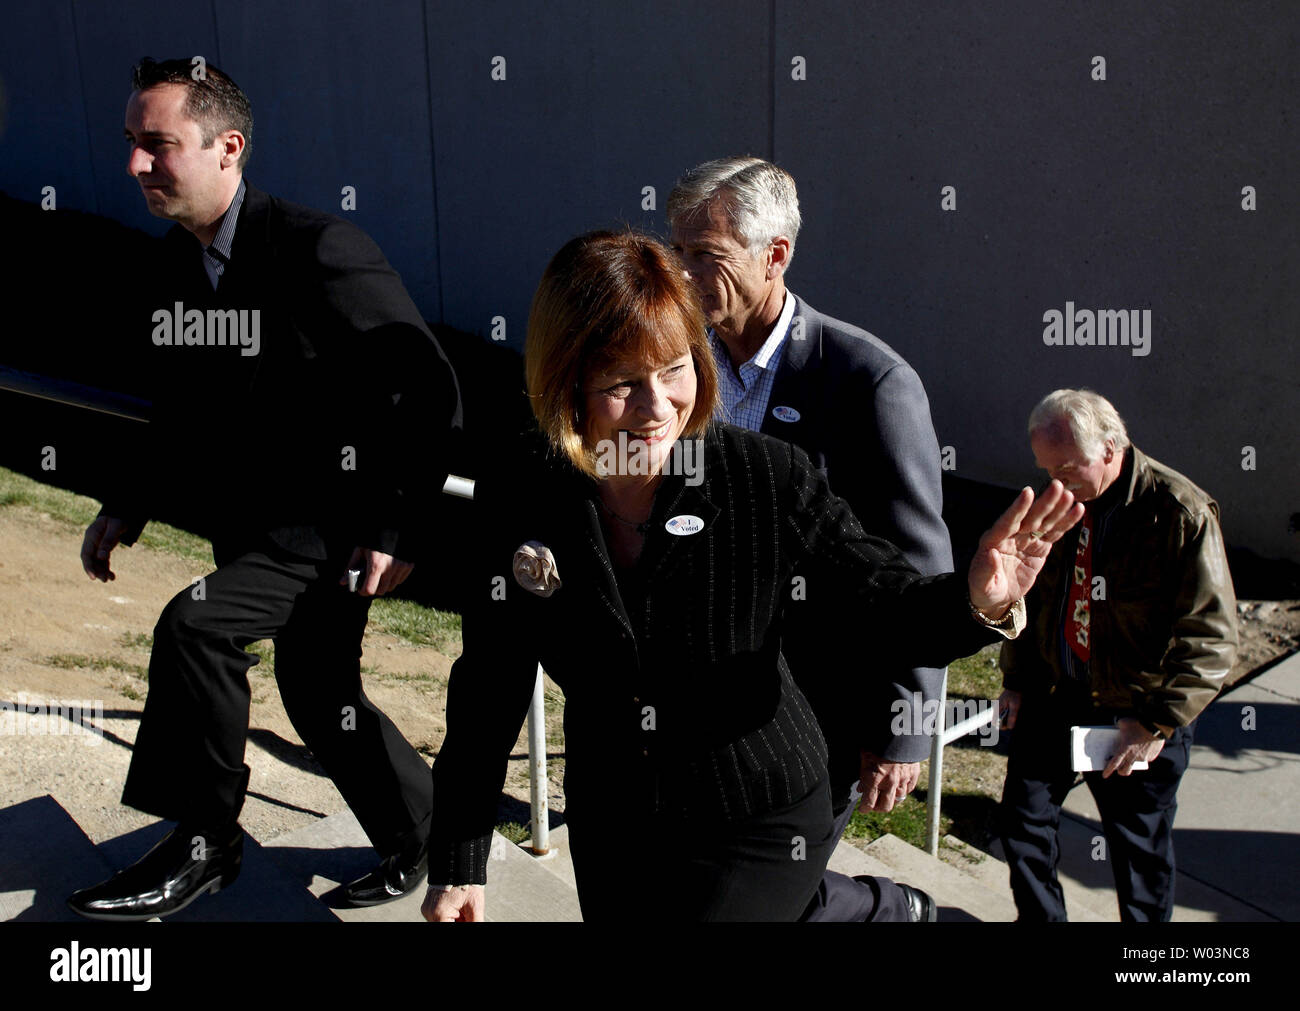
(535, 569)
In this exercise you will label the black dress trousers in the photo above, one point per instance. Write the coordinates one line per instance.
(674, 869)
(866, 899)
(188, 763)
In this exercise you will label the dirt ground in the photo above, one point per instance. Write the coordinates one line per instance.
(65, 637)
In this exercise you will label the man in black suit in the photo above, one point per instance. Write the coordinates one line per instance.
(861, 414)
(288, 360)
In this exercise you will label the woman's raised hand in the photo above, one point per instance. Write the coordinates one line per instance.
(1012, 551)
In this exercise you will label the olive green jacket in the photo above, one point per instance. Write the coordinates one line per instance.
(1163, 616)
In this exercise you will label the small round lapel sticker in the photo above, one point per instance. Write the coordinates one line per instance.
(684, 525)
(783, 413)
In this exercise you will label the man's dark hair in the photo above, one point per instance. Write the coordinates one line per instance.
(212, 99)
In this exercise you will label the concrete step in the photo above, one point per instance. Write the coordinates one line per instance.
(960, 896)
(557, 860)
(1089, 898)
(1084, 903)
(44, 858)
(523, 889)
(855, 861)
(327, 854)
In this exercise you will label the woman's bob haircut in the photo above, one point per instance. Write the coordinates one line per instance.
(607, 301)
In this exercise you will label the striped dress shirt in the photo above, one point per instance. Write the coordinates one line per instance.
(217, 255)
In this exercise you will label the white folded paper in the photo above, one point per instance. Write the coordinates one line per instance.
(1092, 747)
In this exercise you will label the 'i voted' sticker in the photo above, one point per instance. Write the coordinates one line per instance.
(683, 525)
(784, 413)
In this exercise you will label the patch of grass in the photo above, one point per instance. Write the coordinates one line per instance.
(265, 653)
(906, 820)
(972, 816)
(960, 854)
(79, 661)
(393, 678)
(513, 831)
(175, 541)
(130, 693)
(553, 707)
(421, 626)
(19, 490)
(967, 812)
(976, 677)
(77, 511)
(135, 640)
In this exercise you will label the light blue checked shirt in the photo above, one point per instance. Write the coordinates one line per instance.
(744, 398)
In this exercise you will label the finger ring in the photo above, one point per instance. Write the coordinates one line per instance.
(1035, 534)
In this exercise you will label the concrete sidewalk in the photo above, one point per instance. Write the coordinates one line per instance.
(1237, 831)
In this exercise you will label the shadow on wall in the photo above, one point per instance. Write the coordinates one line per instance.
(80, 281)
(81, 284)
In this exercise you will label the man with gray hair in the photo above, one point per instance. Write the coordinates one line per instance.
(1132, 623)
(860, 412)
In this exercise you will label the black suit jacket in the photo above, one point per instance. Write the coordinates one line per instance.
(336, 433)
(677, 697)
(864, 421)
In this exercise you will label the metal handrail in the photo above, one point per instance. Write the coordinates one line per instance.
(941, 739)
(63, 391)
(121, 405)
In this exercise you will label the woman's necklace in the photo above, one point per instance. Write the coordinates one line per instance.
(640, 528)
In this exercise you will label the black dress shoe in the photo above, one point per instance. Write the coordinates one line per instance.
(168, 878)
(920, 906)
(395, 876)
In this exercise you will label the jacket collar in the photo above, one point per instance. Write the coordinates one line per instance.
(253, 230)
(1136, 475)
(796, 384)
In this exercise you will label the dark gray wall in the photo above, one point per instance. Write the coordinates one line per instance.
(1117, 194)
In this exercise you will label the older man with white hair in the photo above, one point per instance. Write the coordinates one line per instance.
(1133, 624)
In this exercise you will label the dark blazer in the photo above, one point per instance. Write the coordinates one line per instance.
(864, 421)
(677, 698)
(336, 433)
